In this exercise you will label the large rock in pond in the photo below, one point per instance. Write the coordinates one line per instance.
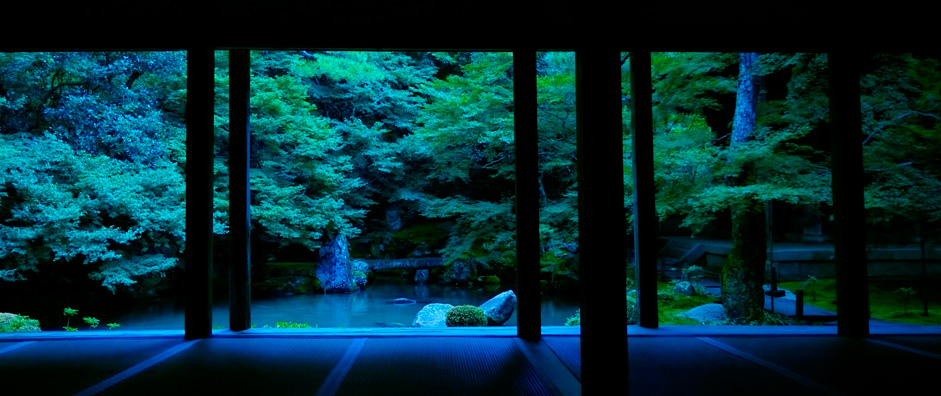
(500, 308)
(432, 315)
(334, 270)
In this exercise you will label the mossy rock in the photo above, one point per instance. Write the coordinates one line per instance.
(465, 316)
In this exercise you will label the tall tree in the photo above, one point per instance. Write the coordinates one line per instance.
(702, 171)
(744, 268)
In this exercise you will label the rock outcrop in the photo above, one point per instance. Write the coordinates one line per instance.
(500, 308)
(335, 271)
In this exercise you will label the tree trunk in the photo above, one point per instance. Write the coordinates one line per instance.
(743, 273)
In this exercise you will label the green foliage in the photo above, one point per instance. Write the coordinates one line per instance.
(14, 323)
(693, 159)
(91, 163)
(558, 192)
(91, 322)
(464, 138)
(574, 320)
(489, 280)
(465, 316)
(112, 326)
(901, 130)
(67, 328)
(631, 312)
(905, 295)
(692, 273)
(291, 325)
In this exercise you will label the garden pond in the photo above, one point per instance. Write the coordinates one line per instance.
(369, 307)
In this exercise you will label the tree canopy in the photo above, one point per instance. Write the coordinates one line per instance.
(411, 153)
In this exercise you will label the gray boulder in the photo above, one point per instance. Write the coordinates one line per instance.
(707, 313)
(432, 315)
(500, 308)
(335, 271)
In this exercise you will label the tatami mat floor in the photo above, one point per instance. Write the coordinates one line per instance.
(695, 364)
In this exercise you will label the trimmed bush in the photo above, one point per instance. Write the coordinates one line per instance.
(490, 280)
(465, 316)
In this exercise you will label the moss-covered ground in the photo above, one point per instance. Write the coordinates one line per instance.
(885, 302)
(670, 304)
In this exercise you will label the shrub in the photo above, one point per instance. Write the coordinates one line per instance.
(17, 323)
(465, 316)
(574, 320)
(92, 322)
(490, 280)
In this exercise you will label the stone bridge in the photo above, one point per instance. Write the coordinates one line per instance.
(410, 263)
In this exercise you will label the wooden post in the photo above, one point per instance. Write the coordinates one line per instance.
(645, 215)
(529, 321)
(799, 305)
(239, 190)
(601, 225)
(849, 237)
(199, 149)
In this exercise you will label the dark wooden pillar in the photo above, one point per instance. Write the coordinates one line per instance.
(527, 194)
(849, 221)
(199, 149)
(601, 226)
(239, 192)
(645, 215)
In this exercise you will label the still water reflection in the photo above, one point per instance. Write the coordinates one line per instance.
(370, 307)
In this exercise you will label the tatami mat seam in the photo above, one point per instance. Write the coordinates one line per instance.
(771, 366)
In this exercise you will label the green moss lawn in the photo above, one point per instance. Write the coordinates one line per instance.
(885, 304)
